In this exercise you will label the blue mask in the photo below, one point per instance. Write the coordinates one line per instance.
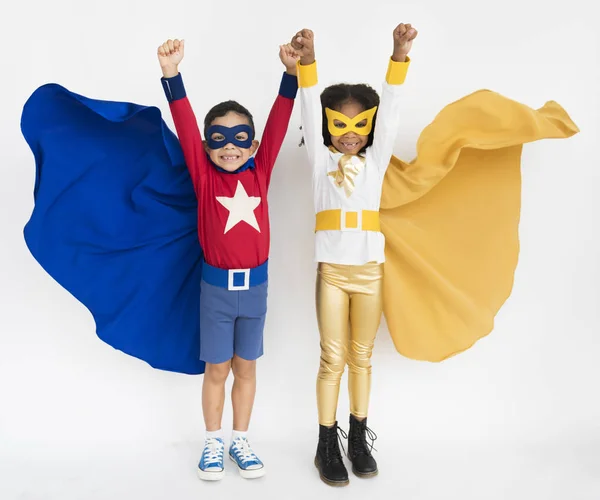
(229, 134)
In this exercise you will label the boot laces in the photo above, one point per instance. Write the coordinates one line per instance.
(359, 439)
(334, 437)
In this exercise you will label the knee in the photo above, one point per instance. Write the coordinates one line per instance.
(243, 369)
(359, 357)
(217, 373)
(333, 360)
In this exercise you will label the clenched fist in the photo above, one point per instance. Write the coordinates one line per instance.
(404, 34)
(303, 43)
(170, 55)
(289, 56)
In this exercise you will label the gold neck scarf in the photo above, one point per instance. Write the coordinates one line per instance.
(349, 166)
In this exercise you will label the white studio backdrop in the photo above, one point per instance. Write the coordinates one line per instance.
(81, 420)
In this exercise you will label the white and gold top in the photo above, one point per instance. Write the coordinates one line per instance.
(347, 188)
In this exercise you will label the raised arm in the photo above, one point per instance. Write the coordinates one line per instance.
(312, 115)
(281, 112)
(170, 55)
(389, 111)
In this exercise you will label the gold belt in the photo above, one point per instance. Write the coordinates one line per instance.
(339, 220)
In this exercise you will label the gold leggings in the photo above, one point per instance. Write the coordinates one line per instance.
(349, 307)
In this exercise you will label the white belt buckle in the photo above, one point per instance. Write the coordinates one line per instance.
(231, 276)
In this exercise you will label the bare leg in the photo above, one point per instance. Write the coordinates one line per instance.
(243, 392)
(213, 394)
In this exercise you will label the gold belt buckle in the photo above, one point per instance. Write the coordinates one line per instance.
(350, 221)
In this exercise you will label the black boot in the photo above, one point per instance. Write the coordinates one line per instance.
(329, 458)
(359, 452)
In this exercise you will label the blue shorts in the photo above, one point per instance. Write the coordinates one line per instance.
(232, 322)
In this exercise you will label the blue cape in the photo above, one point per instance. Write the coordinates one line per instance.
(115, 222)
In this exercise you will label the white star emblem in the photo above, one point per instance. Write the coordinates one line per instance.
(241, 208)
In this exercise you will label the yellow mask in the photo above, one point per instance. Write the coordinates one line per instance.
(350, 122)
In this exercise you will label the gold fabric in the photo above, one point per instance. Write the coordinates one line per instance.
(451, 217)
(349, 166)
(349, 307)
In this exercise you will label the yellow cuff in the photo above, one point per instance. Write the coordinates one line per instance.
(307, 75)
(396, 73)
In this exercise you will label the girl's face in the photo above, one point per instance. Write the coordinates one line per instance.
(350, 143)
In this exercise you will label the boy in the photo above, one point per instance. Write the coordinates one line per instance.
(233, 227)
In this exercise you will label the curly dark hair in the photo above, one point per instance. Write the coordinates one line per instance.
(335, 96)
(222, 109)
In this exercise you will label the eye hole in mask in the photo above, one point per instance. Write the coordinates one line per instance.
(228, 135)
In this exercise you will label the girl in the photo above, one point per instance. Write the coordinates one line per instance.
(349, 163)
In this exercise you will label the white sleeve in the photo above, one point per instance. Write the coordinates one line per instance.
(386, 126)
(312, 122)
(388, 114)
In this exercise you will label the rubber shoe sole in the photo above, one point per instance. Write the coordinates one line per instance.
(210, 475)
(249, 473)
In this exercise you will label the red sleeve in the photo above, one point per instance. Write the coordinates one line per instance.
(274, 134)
(190, 139)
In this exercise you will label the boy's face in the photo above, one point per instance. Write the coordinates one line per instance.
(350, 143)
(229, 156)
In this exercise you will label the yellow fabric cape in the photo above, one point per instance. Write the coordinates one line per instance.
(450, 218)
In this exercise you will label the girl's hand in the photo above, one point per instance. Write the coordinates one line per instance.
(404, 34)
(303, 43)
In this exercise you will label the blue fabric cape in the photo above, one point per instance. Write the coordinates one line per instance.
(115, 222)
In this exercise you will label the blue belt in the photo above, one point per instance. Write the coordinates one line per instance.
(235, 279)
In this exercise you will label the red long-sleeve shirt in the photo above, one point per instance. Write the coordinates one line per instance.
(233, 211)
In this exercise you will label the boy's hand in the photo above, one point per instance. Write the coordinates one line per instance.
(404, 34)
(303, 43)
(170, 55)
(289, 57)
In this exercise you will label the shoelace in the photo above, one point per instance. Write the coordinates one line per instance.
(242, 449)
(333, 451)
(213, 451)
(360, 442)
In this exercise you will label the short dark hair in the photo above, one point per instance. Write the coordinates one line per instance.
(335, 96)
(222, 109)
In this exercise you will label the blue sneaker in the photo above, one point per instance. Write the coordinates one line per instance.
(248, 463)
(211, 467)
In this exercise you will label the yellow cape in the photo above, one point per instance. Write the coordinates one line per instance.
(450, 218)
